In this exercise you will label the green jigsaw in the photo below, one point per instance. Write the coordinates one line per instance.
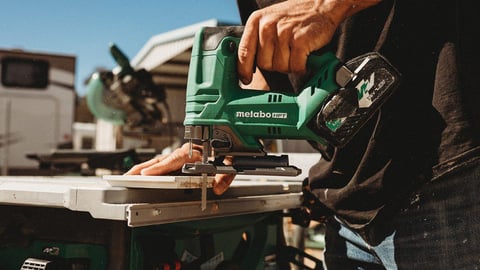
(229, 120)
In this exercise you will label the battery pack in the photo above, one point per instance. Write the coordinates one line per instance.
(348, 109)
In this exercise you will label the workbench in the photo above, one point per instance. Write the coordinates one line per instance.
(111, 226)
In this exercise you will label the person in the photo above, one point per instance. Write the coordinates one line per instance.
(402, 194)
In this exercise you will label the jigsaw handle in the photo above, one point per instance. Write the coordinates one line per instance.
(215, 100)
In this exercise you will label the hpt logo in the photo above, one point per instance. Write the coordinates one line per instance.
(261, 114)
(365, 99)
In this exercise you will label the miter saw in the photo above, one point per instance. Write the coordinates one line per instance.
(231, 121)
(128, 97)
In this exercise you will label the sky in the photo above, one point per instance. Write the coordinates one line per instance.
(85, 28)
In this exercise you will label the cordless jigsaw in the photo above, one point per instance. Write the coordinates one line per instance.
(229, 120)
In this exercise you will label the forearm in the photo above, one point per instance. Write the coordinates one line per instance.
(339, 10)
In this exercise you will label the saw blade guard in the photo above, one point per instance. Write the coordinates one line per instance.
(128, 97)
(96, 104)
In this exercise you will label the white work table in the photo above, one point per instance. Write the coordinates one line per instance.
(152, 205)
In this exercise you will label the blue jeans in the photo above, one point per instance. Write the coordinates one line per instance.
(439, 230)
(346, 249)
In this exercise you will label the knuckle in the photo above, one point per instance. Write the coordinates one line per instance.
(281, 66)
(243, 52)
(264, 64)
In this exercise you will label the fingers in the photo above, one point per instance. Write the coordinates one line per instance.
(298, 57)
(281, 36)
(269, 44)
(173, 161)
(139, 167)
(281, 56)
(267, 41)
(167, 163)
(247, 50)
(222, 183)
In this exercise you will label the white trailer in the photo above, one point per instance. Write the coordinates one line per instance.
(37, 106)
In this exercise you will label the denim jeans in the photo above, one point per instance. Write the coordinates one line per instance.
(439, 230)
(346, 249)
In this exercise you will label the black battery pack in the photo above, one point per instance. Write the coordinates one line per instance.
(343, 114)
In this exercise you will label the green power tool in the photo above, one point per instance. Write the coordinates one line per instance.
(231, 121)
(128, 97)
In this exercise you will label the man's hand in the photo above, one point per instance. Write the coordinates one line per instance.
(278, 38)
(281, 36)
(165, 164)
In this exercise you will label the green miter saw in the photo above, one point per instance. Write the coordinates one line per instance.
(128, 97)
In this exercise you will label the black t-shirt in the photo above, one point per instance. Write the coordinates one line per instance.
(429, 126)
